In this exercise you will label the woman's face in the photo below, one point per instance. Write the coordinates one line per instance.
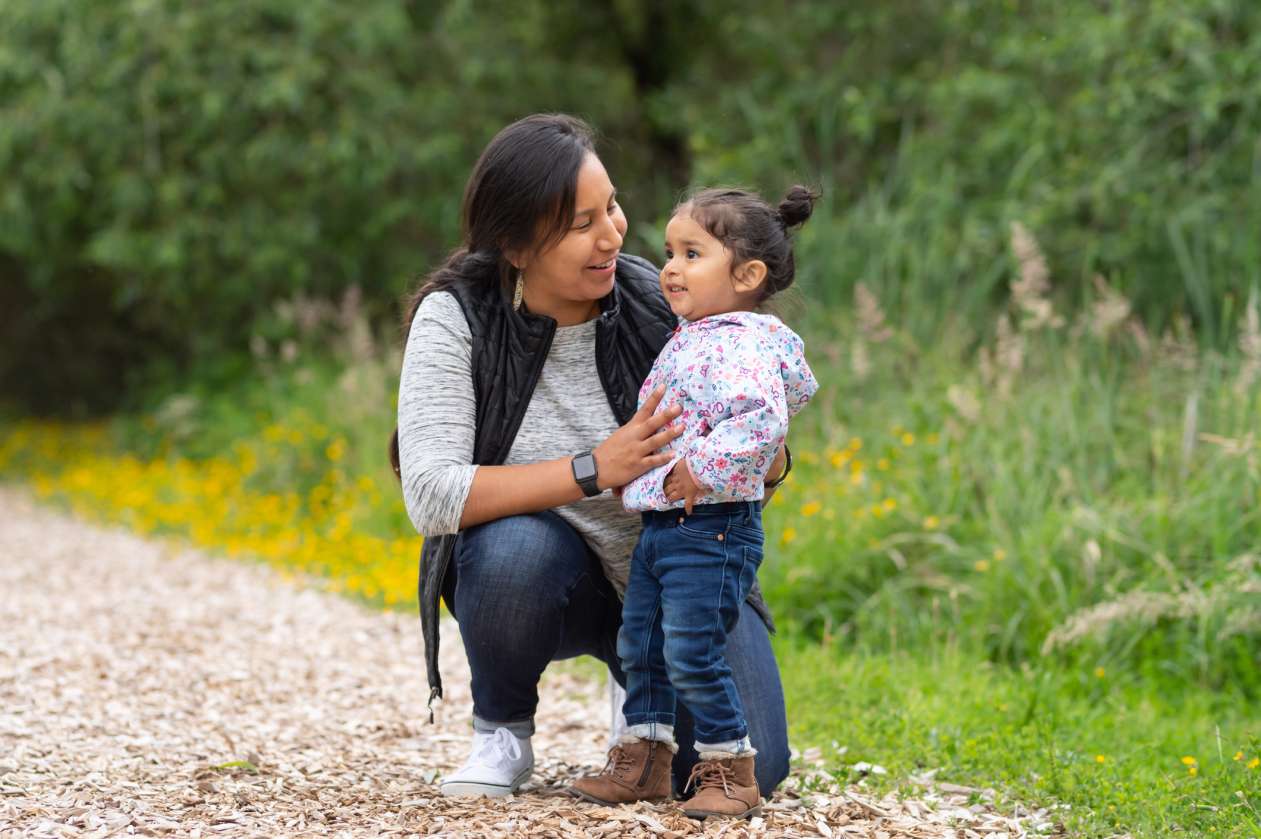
(578, 269)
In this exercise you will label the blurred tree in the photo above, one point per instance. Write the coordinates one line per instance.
(168, 170)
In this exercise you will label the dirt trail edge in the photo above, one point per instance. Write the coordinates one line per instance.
(150, 689)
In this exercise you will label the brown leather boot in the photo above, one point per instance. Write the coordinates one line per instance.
(725, 786)
(637, 770)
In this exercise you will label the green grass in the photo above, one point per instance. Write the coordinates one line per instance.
(1035, 735)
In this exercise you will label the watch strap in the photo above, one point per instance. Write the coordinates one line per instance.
(788, 467)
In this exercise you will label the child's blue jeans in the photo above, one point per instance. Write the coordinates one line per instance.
(689, 575)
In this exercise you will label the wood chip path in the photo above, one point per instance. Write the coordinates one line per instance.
(149, 689)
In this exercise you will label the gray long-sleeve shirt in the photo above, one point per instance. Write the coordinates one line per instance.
(568, 413)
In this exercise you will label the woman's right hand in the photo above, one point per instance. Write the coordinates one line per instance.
(632, 450)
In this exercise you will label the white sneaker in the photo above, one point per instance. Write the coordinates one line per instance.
(617, 720)
(499, 765)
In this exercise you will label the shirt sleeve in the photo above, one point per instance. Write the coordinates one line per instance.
(436, 416)
(799, 381)
(740, 399)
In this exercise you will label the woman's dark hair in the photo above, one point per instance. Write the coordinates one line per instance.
(751, 229)
(519, 199)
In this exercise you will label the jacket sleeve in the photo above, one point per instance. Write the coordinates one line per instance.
(737, 387)
(437, 416)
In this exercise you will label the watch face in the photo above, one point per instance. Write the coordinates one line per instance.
(584, 467)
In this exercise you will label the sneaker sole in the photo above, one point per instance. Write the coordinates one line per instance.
(463, 789)
(709, 814)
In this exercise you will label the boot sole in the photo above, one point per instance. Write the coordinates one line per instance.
(709, 814)
(465, 789)
(588, 797)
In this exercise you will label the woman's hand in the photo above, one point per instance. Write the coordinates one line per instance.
(632, 450)
(680, 484)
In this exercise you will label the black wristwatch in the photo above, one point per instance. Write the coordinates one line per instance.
(585, 473)
(788, 467)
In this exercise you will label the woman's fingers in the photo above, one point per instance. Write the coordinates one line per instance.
(663, 437)
(666, 417)
(651, 403)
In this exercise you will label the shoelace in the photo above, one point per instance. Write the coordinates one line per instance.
(496, 749)
(709, 774)
(619, 762)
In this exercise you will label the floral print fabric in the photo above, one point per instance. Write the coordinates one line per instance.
(740, 377)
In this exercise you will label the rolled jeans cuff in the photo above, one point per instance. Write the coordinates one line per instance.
(741, 747)
(659, 731)
(521, 729)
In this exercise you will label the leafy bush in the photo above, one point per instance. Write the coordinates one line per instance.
(168, 170)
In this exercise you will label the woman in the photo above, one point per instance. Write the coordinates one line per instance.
(516, 416)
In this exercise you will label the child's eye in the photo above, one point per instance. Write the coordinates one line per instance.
(691, 254)
(669, 254)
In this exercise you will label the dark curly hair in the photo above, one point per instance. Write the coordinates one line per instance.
(751, 229)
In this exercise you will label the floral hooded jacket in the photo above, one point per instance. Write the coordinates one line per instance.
(740, 377)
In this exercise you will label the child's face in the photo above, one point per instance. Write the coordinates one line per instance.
(696, 279)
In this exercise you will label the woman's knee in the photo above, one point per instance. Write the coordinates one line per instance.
(512, 573)
(535, 555)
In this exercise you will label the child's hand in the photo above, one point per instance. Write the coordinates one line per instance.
(679, 484)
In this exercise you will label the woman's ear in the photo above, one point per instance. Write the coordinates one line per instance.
(749, 275)
(516, 259)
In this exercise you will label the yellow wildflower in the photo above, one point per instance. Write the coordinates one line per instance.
(1100, 759)
(1193, 771)
(889, 504)
(908, 439)
(931, 522)
(1100, 672)
(856, 444)
(811, 508)
(335, 450)
(1188, 761)
(999, 554)
(981, 565)
(883, 464)
(1254, 763)
(1238, 756)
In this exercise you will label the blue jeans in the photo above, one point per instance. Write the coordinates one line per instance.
(689, 576)
(528, 591)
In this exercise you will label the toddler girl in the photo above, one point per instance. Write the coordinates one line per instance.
(739, 377)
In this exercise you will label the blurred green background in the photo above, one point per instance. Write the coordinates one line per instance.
(168, 171)
(1021, 544)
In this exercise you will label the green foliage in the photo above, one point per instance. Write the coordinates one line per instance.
(169, 171)
(1122, 134)
(1106, 752)
(1076, 500)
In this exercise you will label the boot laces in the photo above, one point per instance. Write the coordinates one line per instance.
(619, 763)
(711, 774)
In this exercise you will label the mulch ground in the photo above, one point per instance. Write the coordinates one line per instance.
(148, 689)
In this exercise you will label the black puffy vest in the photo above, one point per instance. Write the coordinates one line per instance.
(509, 349)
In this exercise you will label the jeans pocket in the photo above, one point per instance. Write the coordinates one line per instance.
(705, 527)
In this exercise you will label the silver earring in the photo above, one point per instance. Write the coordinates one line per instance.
(518, 292)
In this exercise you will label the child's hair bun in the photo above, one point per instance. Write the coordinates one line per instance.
(797, 205)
